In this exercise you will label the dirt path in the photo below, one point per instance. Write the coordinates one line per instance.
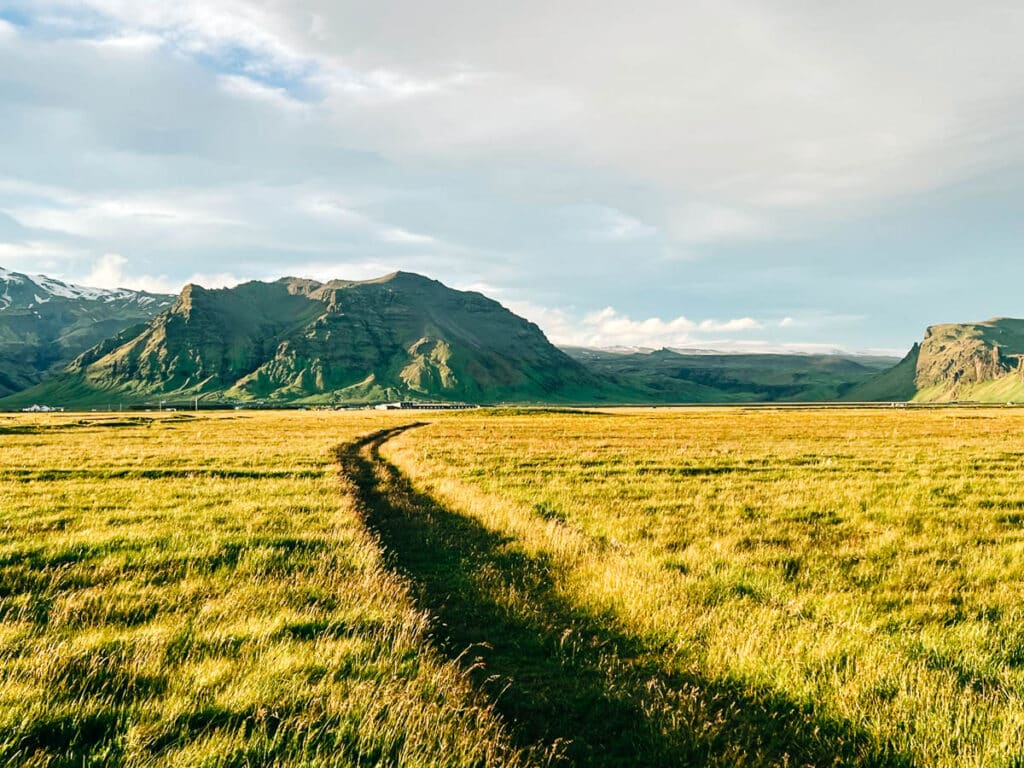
(561, 676)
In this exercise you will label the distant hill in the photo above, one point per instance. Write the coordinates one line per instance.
(957, 362)
(402, 336)
(405, 336)
(46, 323)
(896, 383)
(673, 376)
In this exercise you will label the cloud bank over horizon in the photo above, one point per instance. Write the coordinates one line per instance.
(815, 175)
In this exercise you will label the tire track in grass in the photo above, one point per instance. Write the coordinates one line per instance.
(566, 678)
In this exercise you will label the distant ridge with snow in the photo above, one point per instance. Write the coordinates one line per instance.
(15, 286)
(45, 323)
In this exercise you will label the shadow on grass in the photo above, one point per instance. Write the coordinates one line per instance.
(559, 675)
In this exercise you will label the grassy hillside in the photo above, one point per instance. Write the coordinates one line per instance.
(897, 383)
(669, 376)
(45, 324)
(400, 337)
(957, 362)
(1005, 389)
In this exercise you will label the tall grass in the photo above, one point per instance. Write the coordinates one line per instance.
(713, 587)
(200, 591)
(850, 577)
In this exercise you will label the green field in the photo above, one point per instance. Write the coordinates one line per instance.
(646, 587)
(201, 592)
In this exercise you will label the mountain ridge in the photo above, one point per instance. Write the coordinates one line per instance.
(407, 336)
(45, 323)
(399, 336)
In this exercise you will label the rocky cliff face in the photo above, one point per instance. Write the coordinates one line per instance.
(45, 323)
(956, 355)
(401, 336)
(957, 361)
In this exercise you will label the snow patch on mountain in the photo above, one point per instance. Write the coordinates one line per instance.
(50, 288)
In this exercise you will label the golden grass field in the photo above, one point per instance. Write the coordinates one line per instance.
(186, 591)
(648, 587)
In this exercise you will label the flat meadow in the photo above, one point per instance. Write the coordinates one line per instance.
(796, 586)
(736, 586)
(200, 591)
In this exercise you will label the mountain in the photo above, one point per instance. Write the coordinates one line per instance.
(45, 323)
(669, 375)
(957, 362)
(896, 383)
(402, 336)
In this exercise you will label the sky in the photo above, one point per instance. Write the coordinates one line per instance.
(730, 174)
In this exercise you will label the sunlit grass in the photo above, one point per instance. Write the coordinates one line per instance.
(200, 591)
(865, 567)
(701, 587)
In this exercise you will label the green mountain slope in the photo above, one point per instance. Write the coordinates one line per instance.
(403, 336)
(45, 323)
(896, 383)
(669, 376)
(957, 362)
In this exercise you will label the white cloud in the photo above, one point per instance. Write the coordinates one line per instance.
(108, 271)
(212, 280)
(324, 271)
(706, 223)
(128, 43)
(805, 107)
(34, 256)
(332, 210)
(346, 216)
(557, 324)
(731, 326)
(382, 86)
(102, 218)
(405, 237)
(337, 133)
(610, 328)
(248, 88)
(32, 250)
(15, 188)
(207, 27)
(615, 226)
(112, 271)
(487, 289)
